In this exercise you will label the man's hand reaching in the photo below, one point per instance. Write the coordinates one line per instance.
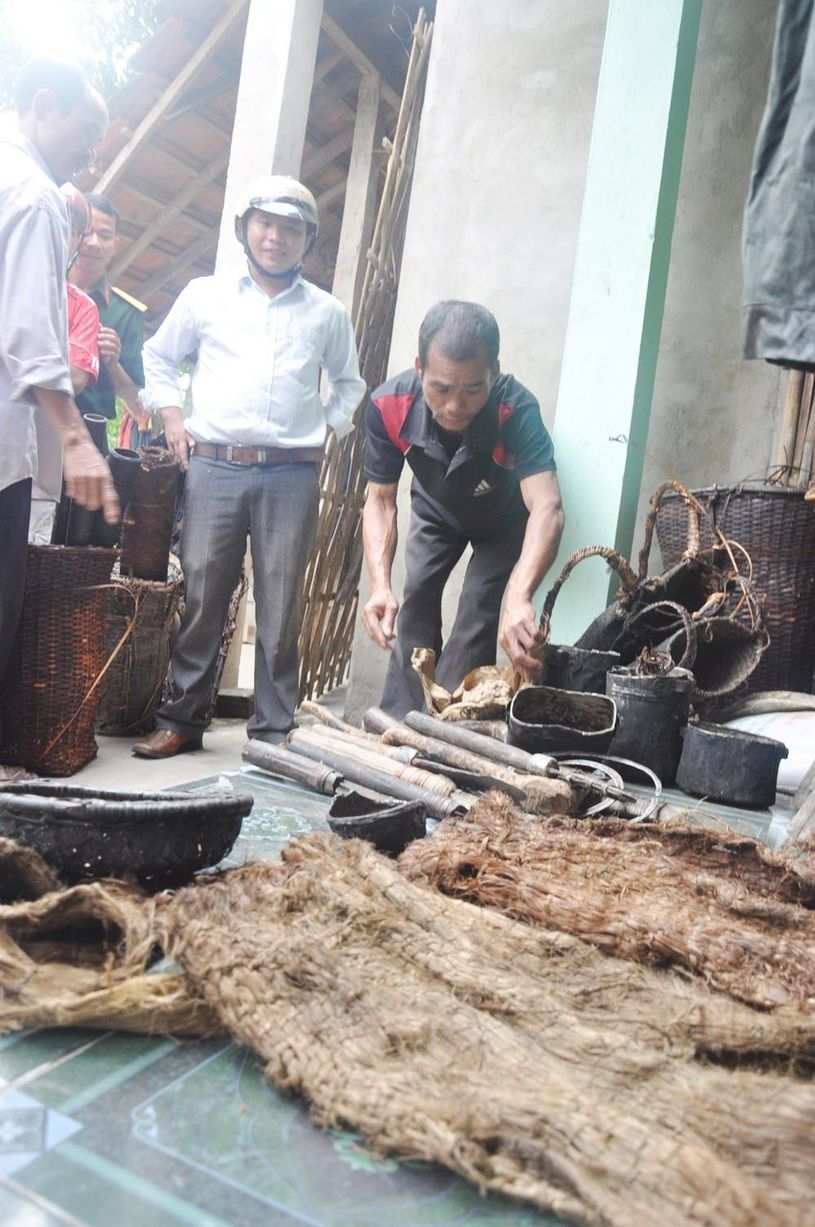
(87, 477)
(379, 617)
(519, 635)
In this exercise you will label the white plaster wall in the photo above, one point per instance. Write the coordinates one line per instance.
(496, 200)
(714, 415)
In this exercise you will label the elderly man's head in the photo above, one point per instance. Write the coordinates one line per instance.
(61, 114)
(457, 361)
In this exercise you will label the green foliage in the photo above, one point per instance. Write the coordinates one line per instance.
(108, 33)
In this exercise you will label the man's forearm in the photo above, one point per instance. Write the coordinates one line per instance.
(379, 537)
(541, 540)
(62, 412)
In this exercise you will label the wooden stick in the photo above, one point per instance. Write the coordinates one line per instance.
(785, 443)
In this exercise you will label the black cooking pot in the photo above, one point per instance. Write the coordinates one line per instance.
(730, 765)
(543, 719)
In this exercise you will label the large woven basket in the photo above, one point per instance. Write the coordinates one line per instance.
(50, 695)
(777, 528)
(131, 689)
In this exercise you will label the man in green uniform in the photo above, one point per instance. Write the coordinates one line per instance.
(120, 336)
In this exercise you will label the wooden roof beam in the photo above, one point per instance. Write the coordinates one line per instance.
(170, 212)
(192, 217)
(196, 97)
(357, 56)
(323, 155)
(170, 96)
(192, 252)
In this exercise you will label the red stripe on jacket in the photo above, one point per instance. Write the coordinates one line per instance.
(394, 411)
(500, 454)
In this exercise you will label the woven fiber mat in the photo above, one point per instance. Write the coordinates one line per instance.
(524, 1059)
(715, 903)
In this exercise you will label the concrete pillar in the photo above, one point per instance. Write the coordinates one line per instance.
(274, 93)
(358, 213)
(498, 180)
(714, 414)
(618, 293)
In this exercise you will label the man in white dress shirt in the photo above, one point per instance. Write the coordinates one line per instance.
(42, 435)
(252, 447)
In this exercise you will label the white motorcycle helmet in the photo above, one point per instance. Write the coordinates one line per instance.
(285, 197)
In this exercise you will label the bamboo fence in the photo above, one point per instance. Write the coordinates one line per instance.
(795, 443)
(332, 575)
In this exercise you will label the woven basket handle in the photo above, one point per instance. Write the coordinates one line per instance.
(688, 627)
(695, 512)
(612, 557)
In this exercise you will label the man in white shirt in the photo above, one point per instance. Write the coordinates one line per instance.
(252, 448)
(41, 431)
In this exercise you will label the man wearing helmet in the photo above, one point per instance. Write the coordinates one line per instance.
(252, 446)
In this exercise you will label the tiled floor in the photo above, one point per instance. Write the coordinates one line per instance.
(113, 1130)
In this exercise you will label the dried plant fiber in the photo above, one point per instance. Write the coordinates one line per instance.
(715, 903)
(79, 956)
(523, 1059)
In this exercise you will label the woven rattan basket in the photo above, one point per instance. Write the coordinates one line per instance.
(777, 528)
(48, 702)
(131, 689)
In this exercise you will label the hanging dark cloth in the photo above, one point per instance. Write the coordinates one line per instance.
(779, 222)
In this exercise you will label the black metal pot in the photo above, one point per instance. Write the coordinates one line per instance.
(543, 719)
(573, 668)
(389, 826)
(161, 839)
(652, 714)
(730, 765)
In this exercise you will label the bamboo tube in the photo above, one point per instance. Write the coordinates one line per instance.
(496, 751)
(279, 761)
(303, 740)
(386, 784)
(541, 795)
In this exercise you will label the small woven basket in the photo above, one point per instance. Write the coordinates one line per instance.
(131, 689)
(777, 529)
(49, 702)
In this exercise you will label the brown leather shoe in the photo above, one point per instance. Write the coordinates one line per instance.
(164, 743)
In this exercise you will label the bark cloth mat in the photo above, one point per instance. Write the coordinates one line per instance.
(522, 1057)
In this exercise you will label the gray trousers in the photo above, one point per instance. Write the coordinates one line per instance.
(276, 505)
(434, 546)
(15, 506)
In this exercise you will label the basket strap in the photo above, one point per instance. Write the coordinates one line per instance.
(695, 511)
(128, 631)
(612, 557)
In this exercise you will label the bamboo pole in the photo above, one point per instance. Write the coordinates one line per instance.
(785, 443)
(332, 573)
